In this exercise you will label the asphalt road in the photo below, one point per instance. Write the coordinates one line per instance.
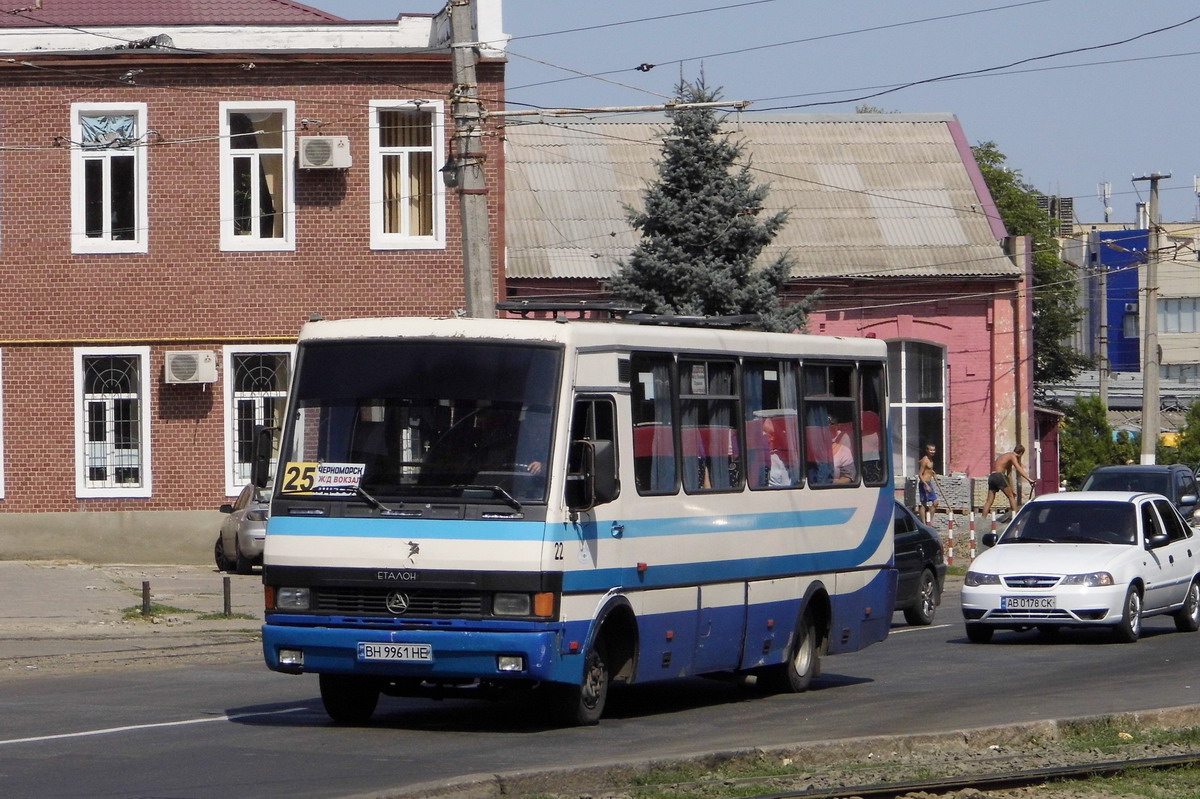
(204, 731)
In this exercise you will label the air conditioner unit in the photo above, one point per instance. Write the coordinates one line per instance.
(1131, 307)
(191, 367)
(324, 152)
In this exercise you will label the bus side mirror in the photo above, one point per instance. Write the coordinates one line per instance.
(591, 474)
(260, 458)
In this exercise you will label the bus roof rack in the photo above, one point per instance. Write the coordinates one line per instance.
(593, 309)
(681, 320)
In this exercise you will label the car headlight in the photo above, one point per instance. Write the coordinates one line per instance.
(1092, 579)
(974, 579)
(259, 515)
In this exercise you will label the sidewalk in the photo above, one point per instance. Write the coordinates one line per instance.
(58, 613)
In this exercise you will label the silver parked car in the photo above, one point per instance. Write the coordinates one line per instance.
(240, 543)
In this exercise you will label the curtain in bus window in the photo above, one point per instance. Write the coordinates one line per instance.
(653, 433)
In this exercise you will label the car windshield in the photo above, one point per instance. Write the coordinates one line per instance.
(1145, 482)
(426, 419)
(1073, 523)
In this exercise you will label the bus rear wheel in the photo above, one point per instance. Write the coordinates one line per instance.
(796, 674)
(348, 699)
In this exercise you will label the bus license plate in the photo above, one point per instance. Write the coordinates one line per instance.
(1027, 603)
(402, 653)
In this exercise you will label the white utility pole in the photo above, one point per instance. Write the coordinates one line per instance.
(467, 164)
(1150, 393)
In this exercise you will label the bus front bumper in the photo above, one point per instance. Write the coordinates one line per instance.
(425, 654)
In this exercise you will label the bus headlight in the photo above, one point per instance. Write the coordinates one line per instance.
(512, 605)
(292, 598)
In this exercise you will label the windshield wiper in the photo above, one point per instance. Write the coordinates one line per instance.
(373, 502)
(496, 490)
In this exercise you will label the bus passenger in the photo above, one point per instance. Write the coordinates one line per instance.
(843, 457)
(774, 429)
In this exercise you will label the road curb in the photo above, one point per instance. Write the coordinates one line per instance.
(612, 777)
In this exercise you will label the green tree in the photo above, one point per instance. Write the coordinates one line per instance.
(1086, 440)
(1056, 311)
(1188, 449)
(701, 229)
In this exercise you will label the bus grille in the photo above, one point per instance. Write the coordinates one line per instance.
(373, 602)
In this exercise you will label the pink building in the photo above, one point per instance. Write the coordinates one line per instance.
(889, 218)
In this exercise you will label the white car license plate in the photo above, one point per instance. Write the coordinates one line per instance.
(1027, 603)
(403, 653)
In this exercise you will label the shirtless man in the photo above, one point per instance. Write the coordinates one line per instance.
(999, 479)
(926, 486)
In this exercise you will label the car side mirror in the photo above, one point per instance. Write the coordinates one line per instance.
(226, 508)
(989, 540)
(1155, 541)
(260, 458)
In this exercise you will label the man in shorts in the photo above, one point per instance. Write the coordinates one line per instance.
(926, 486)
(1000, 478)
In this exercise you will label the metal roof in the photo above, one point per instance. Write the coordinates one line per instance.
(870, 195)
(56, 13)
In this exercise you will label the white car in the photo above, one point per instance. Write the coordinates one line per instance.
(1087, 558)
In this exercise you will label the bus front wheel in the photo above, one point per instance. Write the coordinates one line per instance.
(582, 705)
(348, 699)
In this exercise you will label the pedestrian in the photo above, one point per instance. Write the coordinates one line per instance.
(926, 486)
(1000, 478)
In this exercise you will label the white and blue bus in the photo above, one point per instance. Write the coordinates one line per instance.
(564, 505)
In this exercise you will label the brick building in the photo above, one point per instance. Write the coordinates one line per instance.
(184, 184)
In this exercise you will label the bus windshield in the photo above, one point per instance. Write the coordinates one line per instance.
(428, 418)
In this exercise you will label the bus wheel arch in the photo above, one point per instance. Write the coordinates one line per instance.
(615, 631)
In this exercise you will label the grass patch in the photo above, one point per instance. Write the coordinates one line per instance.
(1110, 735)
(222, 616)
(156, 609)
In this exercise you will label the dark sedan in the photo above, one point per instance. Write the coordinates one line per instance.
(921, 566)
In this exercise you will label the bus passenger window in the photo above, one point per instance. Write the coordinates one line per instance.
(831, 429)
(654, 464)
(871, 407)
(769, 392)
(708, 405)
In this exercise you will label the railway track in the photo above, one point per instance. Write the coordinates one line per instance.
(997, 781)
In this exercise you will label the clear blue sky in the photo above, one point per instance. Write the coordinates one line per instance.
(1096, 112)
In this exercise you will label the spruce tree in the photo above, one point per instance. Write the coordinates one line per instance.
(701, 229)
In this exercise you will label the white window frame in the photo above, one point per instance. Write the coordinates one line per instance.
(80, 243)
(230, 241)
(145, 488)
(906, 454)
(233, 482)
(399, 241)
